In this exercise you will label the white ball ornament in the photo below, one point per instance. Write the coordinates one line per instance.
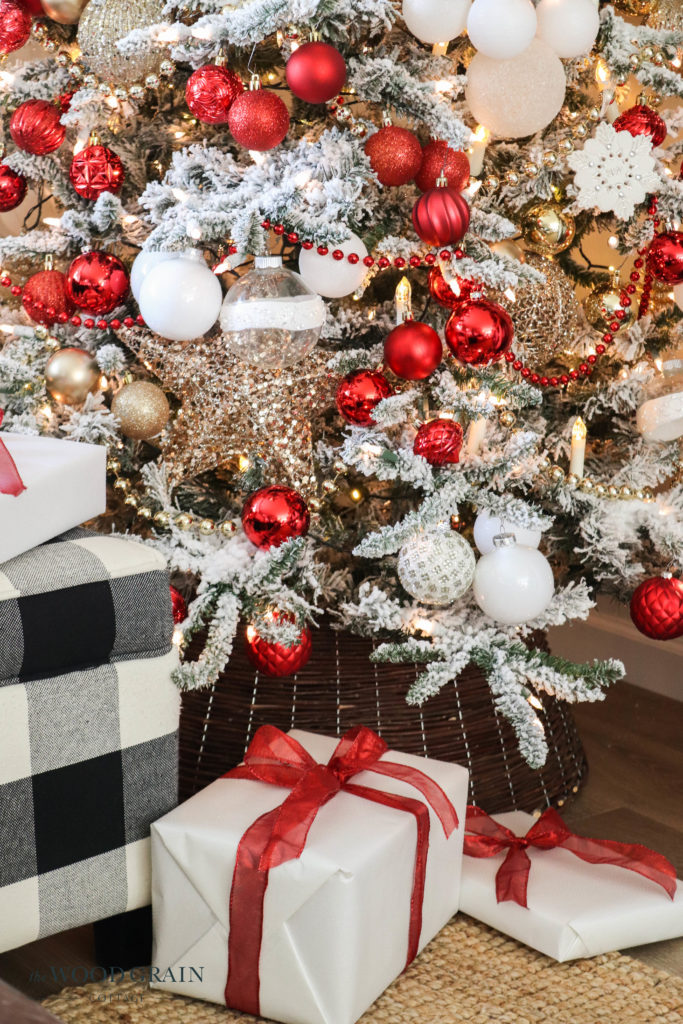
(436, 21)
(334, 278)
(147, 260)
(501, 29)
(436, 568)
(180, 299)
(570, 27)
(486, 527)
(513, 584)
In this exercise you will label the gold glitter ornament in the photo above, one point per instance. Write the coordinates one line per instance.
(70, 375)
(103, 23)
(547, 229)
(603, 303)
(667, 14)
(142, 409)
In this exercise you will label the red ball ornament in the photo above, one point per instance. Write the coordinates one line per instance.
(413, 350)
(35, 127)
(97, 281)
(642, 120)
(438, 158)
(439, 442)
(442, 292)
(665, 257)
(273, 515)
(12, 188)
(96, 169)
(441, 216)
(211, 91)
(657, 607)
(276, 659)
(45, 297)
(34, 7)
(395, 155)
(358, 394)
(15, 25)
(316, 72)
(479, 332)
(258, 119)
(178, 606)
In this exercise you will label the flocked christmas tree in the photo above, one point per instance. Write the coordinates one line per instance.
(204, 173)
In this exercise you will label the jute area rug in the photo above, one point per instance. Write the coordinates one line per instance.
(469, 974)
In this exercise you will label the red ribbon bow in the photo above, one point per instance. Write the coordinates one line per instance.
(10, 481)
(485, 837)
(280, 835)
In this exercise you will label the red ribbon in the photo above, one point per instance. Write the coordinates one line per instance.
(10, 481)
(485, 837)
(280, 835)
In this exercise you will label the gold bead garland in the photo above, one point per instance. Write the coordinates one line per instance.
(558, 477)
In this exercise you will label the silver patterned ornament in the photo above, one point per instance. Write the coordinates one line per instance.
(436, 567)
(102, 23)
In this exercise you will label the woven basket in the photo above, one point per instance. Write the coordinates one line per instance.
(340, 687)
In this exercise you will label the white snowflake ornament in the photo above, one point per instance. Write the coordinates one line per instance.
(614, 171)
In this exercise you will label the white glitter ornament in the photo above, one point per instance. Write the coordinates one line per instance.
(334, 278)
(501, 28)
(513, 584)
(436, 568)
(614, 171)
(486, 527)
(435, 21)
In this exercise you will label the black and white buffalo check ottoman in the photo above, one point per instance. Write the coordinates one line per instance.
(88, 730)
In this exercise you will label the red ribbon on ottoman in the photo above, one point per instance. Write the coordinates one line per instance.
(280, 835)
(10, 481)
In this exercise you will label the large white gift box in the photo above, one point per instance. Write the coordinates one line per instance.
(336, 919)
(66, 484)
(574, 908)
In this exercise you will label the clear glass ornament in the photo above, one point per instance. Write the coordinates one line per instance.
(270, 317)
(660, 417)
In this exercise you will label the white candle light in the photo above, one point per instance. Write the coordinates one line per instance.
(403, 296)
(578, 448)
(477, 149)
(476, 435)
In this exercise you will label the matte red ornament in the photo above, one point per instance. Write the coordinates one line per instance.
(12, 188)
(441, 216)
(443, 293)
(178, 606)
(96, 169)
(45, 297)
(479, 332)
(439, 442)
(665, 257)
(276, 659)
(273, 515)
(316, 72)
(97, 281)
(395, 155)
(258, 120)
(642, 120)
(35, 127)
(438, 158)
(210, 92)
(15, 25)
(657, 607)
(413, 350)
(358, 394)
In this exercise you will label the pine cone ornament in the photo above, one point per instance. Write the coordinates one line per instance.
(657, 607)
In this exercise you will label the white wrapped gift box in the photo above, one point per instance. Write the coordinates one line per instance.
(66, 484)
(336, 920)
(575, 909)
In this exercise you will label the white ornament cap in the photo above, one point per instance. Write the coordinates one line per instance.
(262, 262)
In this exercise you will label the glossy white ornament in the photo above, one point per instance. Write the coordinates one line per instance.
(334, 278)
(180, 299)
(501, 29)
(436, 568)
(513, 584)
(570, 27)
(436, 21)
(486, 527)
(146, 260)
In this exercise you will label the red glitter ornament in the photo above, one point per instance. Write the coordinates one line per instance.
(395, 155)
(35, 127)
(443, 293)
(642, 120)
(96, 169)
(665, 257)
(439, 442)
(178, 606)
(479, 332)
(441, 216)
(45, 297)
(413, 350)
(64, 100)
(211, 91)
(12, 188)
(316, 72)
(438, 158)
(276, 659)
(15, 25)
(358, 394)
(273, 515)
(258, 120)
(97, 281)
(657, 607)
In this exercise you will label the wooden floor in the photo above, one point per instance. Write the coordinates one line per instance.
(634, 742)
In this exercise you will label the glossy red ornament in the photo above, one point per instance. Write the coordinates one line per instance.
(45, 297)
(273, 515)
(395, 155)
(438, 158)
(258, 120)
(442, 292)
(35, 127)
(479, 332)
(15, 25)
(178, 606)
(665, 257)
(34, 7)
(12, 188)
(96, 169)
(276, 659)
(210, 92)
(358, 394)
(657, 607)
(441, 216)
(97, 281)
(413, 350)
(642, 120)
(439, 442)
(316, 72)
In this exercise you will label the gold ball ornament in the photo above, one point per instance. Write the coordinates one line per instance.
(66, 12)
(601, 306)
(103, 23)
(508, 247)
(547, 229)
(142, 410)
(71, 374)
